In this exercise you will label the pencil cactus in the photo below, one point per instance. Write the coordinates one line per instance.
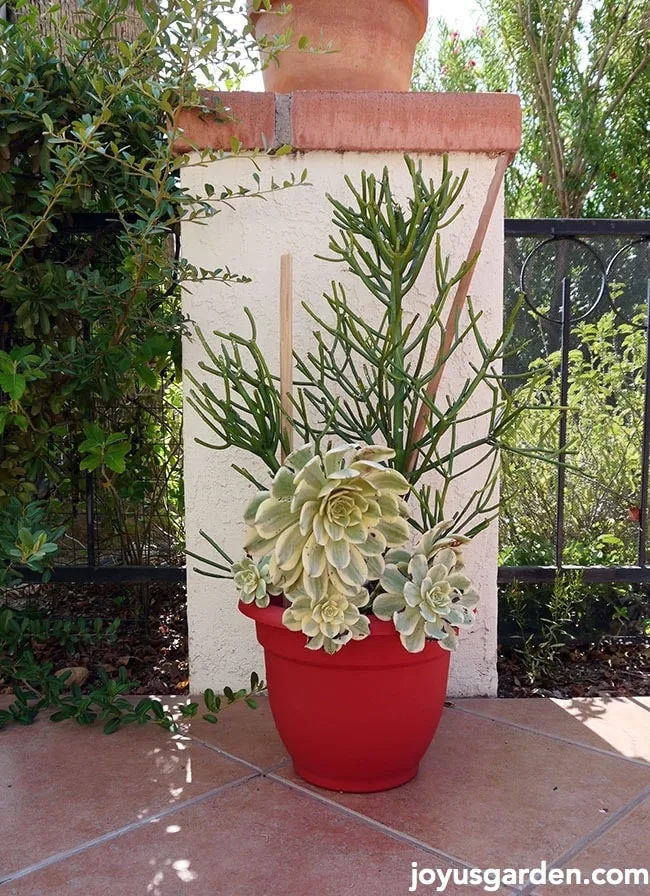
(333, 524)
(328, 519)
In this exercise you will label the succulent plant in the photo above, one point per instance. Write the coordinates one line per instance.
(331, 621)
(253, 581)
(328, 519)
(434, 540)
(428, 597)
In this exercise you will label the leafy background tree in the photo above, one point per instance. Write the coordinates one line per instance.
(91, 276)
(582, 70)
(91, 270)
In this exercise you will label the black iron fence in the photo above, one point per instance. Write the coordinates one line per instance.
(571, 273)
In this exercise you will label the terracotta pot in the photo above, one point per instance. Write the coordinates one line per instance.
(359, 721)
(374, 43)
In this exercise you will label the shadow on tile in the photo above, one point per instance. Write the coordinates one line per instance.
(62, 784)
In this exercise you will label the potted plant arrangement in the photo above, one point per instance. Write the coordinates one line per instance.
(353, 565)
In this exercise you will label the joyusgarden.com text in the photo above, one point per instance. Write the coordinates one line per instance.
(490, 880)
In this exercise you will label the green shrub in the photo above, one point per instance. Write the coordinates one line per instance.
(91, 356)
(24, 541)
(604, 426)
(605, 418)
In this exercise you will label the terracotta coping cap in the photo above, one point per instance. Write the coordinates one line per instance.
(357, 121)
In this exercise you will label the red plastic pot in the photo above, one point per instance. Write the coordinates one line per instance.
(359, 721)
(372, 44)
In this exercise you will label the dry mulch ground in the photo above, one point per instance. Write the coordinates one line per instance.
(154, 651)
(153, 648)
(610, 668)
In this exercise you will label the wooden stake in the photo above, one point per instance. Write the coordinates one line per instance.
(460, 298)
(286, 347)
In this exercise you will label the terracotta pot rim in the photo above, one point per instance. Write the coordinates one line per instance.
(420, 7)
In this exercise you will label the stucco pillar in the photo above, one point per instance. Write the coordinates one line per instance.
(332, 135)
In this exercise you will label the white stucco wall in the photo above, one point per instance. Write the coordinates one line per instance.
(250, 240)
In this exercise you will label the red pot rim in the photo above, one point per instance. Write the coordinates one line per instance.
(273, 616)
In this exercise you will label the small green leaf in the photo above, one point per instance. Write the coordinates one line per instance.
(157, 709)
(147, 376)
(112, 725)
(14, 384)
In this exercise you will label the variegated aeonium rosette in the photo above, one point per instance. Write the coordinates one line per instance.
(425, 592)
(329, 535)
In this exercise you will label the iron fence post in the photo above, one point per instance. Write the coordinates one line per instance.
(562, 437)
(645, 446)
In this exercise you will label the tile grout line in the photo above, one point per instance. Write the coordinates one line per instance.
(118, 832)
(394, 834)
(226, 755)
(221, 752)
(593, 836)
(528, 890)
(268, 771)
(556, 737)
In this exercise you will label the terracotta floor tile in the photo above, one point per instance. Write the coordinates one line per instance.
(624, 846)
(62, 784)
(247, 733)
(496, 796)
(257, 839)
(617, 724)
